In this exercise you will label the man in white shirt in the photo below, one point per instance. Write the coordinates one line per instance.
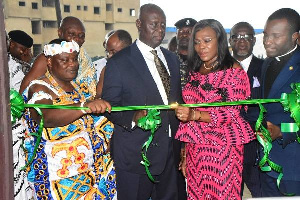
(242, 40)
(144, 74)
(19, 55)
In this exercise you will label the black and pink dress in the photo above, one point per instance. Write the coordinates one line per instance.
(215, 149)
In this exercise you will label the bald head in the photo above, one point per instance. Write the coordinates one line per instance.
(71, 28)
(149, 8)
(245, 25)
(151, 25)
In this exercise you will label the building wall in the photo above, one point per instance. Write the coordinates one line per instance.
(112, 15)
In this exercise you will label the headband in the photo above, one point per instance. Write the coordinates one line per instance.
(67, 47)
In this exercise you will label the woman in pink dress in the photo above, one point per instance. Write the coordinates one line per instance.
(213, 136)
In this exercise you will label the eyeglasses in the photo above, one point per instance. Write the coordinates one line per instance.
(246, 37)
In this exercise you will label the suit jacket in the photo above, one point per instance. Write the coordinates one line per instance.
(128, 82)
(285, 151)
(254, 73)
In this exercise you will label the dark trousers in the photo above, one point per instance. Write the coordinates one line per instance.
(251, 171)
(131, 186)
(270, 189)
(181, 187)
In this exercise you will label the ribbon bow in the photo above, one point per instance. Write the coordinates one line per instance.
(17, 105)
(150, 122)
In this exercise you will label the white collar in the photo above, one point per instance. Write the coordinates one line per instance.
(246, 62)
(278, 57)
(145, 48)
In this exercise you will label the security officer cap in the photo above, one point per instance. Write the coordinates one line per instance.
(186, 22)
(21, 37)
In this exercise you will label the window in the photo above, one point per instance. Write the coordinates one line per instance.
(119, 9)
(34, 5)
(37, 49)
(49, 24)
(108, 7)
(67, 8)
(21, 3)
(109, 27)
(97, 10)
(35, 27)
(85, 8)
(78, 7)
(48, 3)
(132, 12)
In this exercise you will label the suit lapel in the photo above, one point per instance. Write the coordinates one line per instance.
(172, 73)
(285, 74)
(253, 67)
(141, 67)
(263, 72)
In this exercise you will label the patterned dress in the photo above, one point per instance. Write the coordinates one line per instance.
(86, 72)
(22, 190)
(71, 161)
(215, 149)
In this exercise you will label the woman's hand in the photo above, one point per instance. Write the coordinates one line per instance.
(184, 113)
(97, 106)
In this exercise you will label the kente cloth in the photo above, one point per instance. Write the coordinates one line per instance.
(71, 162)
(87, 72)
(215, 149)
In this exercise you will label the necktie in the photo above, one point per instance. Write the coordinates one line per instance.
(162, 71)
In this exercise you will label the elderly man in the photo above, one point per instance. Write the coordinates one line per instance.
(280, 69)
(144, 74)
(71, 28)
(242, 40)
(184, 30)
(117, 41)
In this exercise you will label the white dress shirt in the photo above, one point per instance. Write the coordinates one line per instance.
(149, 58)
(246, 63)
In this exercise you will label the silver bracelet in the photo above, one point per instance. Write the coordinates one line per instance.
(82, 105)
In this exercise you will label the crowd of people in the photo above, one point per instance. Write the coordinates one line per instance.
(196, 153)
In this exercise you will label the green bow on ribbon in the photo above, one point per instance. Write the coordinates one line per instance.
(150, 122)
(291, 103)
(17, 105)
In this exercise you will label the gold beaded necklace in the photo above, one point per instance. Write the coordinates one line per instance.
(212, 66)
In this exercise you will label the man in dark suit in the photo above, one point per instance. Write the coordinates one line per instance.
(133, 77)
(242, 41)
(280, 69)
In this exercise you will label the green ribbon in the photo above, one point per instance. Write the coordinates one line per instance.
(16, 105)
(150, 122)
(290, 103)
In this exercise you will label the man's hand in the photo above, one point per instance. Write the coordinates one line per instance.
(139, 114)
(274, 131)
